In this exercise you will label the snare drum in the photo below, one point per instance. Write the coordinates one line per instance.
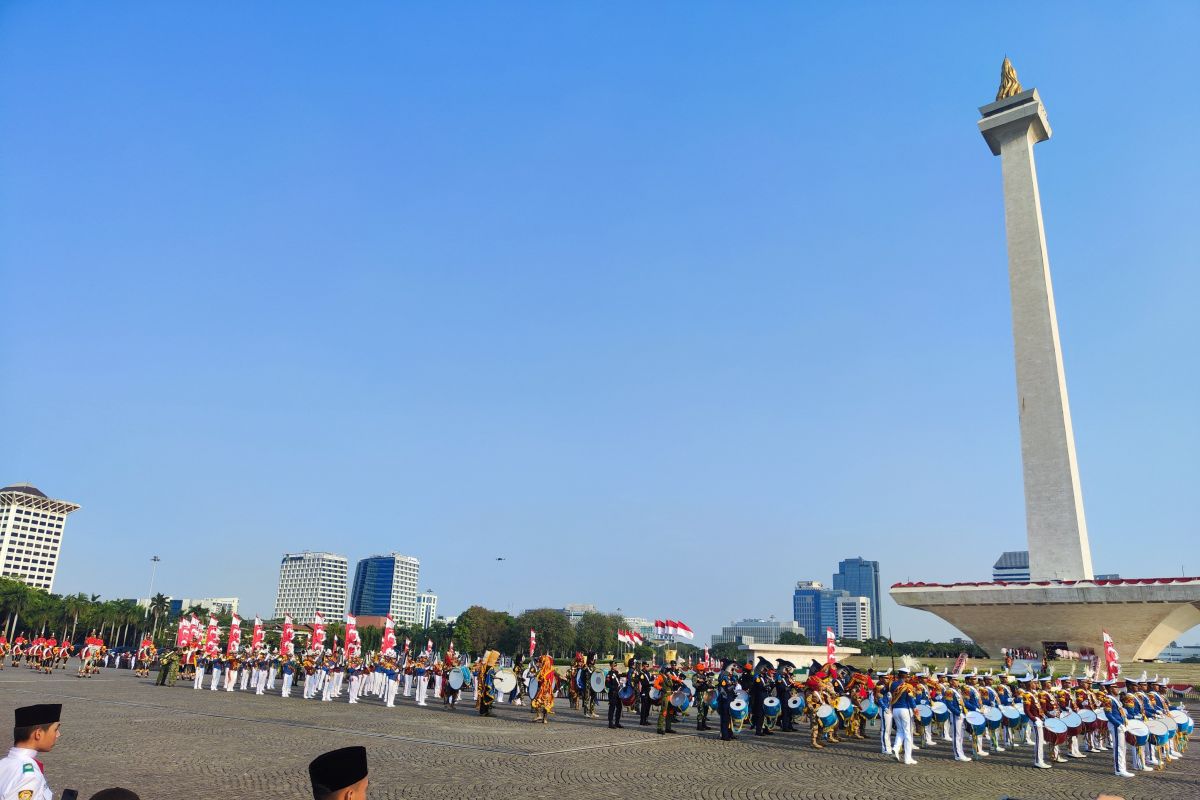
(940, 712)
(1089, 719)
(739, 709)
(868, 707)
(715, 702)
(1012, 717)
(796, 703)
(627, 695)
(655, 695)
(1182, 720)
(992, 717)
(924, 714)
(1056, 731)
(977, 722)
(1136, 732)
(532, 686)
(1158, 731)
(772, 707)
(1172, 727)
(681, 698)
(826, 716)
(1074, 723)
(843, 707)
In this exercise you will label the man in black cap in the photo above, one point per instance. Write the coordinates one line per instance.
(726, 688)
(783, 690)
(339, 774)
(759, 689)
(35, 730)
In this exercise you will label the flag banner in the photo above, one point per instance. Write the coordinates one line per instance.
(388, 645)
(318, 635)
(1112, 663)
(235, 636)
(212, 638)
(532, 641)
(256, 636)
(183, 636)
(407, 644)
(681, 629)
(353, 643)
(660, 628)
(830, 645)
(285, 639)
(960, 664)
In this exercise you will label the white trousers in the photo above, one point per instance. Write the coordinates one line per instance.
(199, 682)
(288, 678)
(885, 732)
(422, 689)
(902, 721)
(1116, 736)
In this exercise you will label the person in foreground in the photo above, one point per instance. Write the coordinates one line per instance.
(339, 774)
(35, 731)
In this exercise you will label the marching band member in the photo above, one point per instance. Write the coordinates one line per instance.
(783, 690)
(883, 699)
(953, 698)
(643, 690)
(903, 704)
(760, 688)
(667, 682)
(612, 685)
(726, 688)
(1036, 714)
(1114, 712)
(702, 685)
(819, 693)
(583, 681)
(421, 673)
(543, 702)
(485, 676)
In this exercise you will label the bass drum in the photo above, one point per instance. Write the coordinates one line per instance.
(655, 696)
(772, 707)
(1136, 732)
(597, 681)
(739, 709)
(532, 686)
(1056, 731)
(627, 695)
(505, 681)
(681, 699)
(455, 679)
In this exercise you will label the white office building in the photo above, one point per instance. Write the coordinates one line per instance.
(854, 618)
(311, 582)
(31, 534)
(426, 608)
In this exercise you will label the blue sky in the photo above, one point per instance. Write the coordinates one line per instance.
(672, 305)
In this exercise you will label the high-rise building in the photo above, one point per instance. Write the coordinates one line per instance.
(575, 611)
(386, 585)
(426, 608)
(1012, 567)
(861, 579)
(815, 608)
(854, 617)
(311, 582)
(31, 533)
(755, 631)
(640, 625)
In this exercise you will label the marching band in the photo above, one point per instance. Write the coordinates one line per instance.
(975, 714)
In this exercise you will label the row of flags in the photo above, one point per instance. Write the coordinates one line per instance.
(631, 638)
(672, 627)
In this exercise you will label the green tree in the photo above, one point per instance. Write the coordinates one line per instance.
(554, 633)
(159, 607)
(726, 650)
(597, 633)
(462, 634)
(643, 652)
(787, 637)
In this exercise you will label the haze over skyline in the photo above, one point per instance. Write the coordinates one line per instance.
(631, 297)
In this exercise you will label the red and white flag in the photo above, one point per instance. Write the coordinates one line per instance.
(256, 636)
(660, 628)
(183, 636)
(532, 641)
(707, 660)
(388, 645)
(623, 637)
(429, 648)
(212, 637)
(235, 636)
(830, 646)
(285, 639)
(318, 635)
(353, 643)
(194, 632)
(407, 643)
(681, 629)
(1112, 664)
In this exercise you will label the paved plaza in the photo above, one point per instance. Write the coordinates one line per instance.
(182, 743)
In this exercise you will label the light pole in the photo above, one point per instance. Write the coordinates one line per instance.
(153, 569)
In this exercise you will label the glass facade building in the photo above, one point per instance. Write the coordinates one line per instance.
(859, 578)
(814, 608)
(755, 631)
(386, 585)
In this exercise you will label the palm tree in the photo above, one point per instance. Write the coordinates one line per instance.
(159, 606)
(75, 605)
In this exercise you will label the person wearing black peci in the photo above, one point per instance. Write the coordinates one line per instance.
(339, 774)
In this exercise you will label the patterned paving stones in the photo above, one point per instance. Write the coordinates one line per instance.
(180, 743)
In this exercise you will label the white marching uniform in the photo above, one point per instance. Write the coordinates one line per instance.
(21, 778)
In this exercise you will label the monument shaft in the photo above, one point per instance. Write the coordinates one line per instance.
(1057, 530)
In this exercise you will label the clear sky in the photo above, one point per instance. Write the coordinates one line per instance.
(671, 305)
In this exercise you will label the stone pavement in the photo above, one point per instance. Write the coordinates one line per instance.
(168, 743)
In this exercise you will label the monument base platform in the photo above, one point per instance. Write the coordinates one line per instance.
(1142, 615)
(799, 654)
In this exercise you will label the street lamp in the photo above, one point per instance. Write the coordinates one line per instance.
(153, 568)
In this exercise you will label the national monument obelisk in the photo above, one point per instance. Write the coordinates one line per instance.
(1057, 532)
(1063, 606)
